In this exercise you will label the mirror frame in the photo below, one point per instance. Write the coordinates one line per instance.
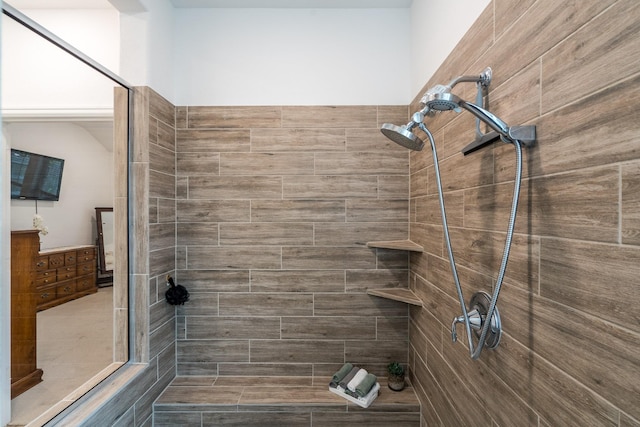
(100, 238)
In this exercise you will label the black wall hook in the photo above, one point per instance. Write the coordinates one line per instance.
(176, 294)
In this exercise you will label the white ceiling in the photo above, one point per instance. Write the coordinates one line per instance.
(60, 4)
(314, 4)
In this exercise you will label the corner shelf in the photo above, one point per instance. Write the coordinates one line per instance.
(404, 245)
(397, 294)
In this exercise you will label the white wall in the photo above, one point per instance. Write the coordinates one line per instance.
(291, 56)
(436, 28)
(146, 44)
(87, 182)
(38, 76)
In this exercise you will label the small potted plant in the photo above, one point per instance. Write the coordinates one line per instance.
(396, 376)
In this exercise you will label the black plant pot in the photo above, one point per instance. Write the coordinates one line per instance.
(396, 382)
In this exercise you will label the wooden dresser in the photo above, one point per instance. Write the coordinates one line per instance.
(24, 253)
(63, 274)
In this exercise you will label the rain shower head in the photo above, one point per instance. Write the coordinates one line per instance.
(403, 136)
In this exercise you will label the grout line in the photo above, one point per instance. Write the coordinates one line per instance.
(620, 206)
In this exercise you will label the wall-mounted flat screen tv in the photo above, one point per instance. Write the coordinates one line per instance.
(34, 176)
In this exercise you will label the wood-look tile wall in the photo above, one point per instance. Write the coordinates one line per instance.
(274, 208)
(570, 350)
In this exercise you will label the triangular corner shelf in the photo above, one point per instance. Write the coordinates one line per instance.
(403, 245)
(397, 294)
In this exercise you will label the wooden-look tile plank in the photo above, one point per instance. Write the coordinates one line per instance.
(609, 41)
(597, 279)
(269, 304)
(235, 187)
(201, 397)
(234, 117)
(280, 234)
(296, 140)
(344, 116)
(273, 419)
(267, 163)
(297, 280)
(582, 134)
(297, 351)
(217, 140)
(558, 333)
(225, 327)
(630, 227)
(318, 327)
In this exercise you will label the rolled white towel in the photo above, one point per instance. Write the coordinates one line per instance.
(356, 380)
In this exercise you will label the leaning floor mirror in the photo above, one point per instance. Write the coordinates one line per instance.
(106, 246)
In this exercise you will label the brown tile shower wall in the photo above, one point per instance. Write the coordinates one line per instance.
(162, 228)
(570, 350)
(274, 209)
(152, 256)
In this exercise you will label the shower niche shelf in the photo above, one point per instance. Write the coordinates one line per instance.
(397, 294)
(403, 245)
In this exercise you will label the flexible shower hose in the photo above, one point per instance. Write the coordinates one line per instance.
(475, 352)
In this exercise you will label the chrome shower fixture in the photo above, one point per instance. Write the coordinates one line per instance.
(482, 318)
(483, 81)
(440, 98)
(402, 135)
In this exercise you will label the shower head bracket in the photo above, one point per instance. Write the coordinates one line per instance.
(525, 134)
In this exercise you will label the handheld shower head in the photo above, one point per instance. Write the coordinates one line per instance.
(440, 98)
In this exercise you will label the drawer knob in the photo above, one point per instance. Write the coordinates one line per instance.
(45, 295)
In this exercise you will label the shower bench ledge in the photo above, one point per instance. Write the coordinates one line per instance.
(277, 401)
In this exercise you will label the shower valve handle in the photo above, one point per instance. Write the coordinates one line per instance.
(454, 334)
(475, 321)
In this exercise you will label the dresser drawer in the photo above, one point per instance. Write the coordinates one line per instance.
(42, 263)
(46, 277)
(65, 273)
(66, 288)
(70, 258)
(45, 295)
(84, 283)
(85, 268)
(56, 260)
(85, 255)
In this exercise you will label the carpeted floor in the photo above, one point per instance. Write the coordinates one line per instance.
(75, 342)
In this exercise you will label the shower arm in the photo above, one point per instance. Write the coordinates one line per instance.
(483, 79)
